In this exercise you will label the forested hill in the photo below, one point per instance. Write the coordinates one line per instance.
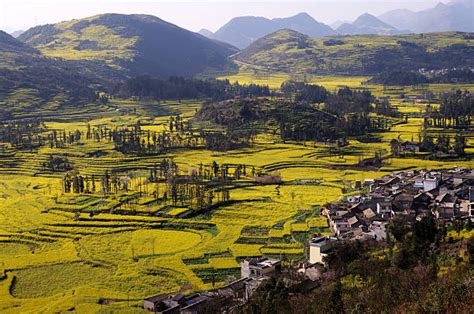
(290, 51)
(134, 44)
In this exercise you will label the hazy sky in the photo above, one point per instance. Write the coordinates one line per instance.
(193, 15)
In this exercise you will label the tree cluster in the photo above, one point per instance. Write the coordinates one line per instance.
(302, 92)
(185, 88)
(23, 134)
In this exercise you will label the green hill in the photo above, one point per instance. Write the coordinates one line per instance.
(30, 81)
(292, 52)
(134, 44)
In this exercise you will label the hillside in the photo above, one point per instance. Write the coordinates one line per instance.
(242, 31)
(453, 16)
(134, 44)
(367, 24)
(30, 81)
(292, 52)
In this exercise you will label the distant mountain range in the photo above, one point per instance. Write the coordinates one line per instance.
(133, 44)
(242, 31)
(457, 15)
(63, 63)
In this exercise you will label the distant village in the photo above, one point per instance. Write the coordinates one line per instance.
(446, 194)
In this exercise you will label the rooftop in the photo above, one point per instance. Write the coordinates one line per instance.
(263, 262)
(321, 241)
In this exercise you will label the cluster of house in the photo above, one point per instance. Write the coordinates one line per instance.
(253, 272)
(446, 194)
(302, 277)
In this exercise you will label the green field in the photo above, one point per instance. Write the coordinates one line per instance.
(64, 252)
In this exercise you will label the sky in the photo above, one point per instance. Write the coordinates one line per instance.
(194, 15)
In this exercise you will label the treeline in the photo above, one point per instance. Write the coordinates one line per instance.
(405, 78)
(185, 88)
(442, 144)
(456, 110)
(405, 274)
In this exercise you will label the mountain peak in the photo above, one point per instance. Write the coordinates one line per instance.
(366, 17)
(242, 31)
(303, 16)
(138, 44)
(206, 33)
(453, 16)
(367, 24)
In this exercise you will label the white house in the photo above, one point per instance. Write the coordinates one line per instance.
(319, 247)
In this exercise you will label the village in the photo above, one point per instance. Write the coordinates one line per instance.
(447, 195)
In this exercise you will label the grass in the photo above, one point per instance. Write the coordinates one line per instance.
(50, 280)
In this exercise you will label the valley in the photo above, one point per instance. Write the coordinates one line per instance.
(148, 246)
(141, 159)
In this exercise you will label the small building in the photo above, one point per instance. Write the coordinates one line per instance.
(378, 229)
(402, 201)
(260, 267)
(409, 147)
(319, 247)
(368, 213)
(384, 208)
(163, 303)
(368, 182)
(430, 184)
(353, 198)
(418, 182)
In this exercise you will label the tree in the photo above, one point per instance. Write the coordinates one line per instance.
(459, 144)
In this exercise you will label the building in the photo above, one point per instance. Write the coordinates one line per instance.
(319, 247)
(163, 303)
(409, 147)
(259, 267)
(430, 184)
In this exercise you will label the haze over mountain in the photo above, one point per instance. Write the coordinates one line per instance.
(367, 24)
(242, 31)
(207, 33)
(133, 44)
(336, 24)
(17, 33)
(454, 16)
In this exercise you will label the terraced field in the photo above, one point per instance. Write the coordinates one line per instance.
(84, 253)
